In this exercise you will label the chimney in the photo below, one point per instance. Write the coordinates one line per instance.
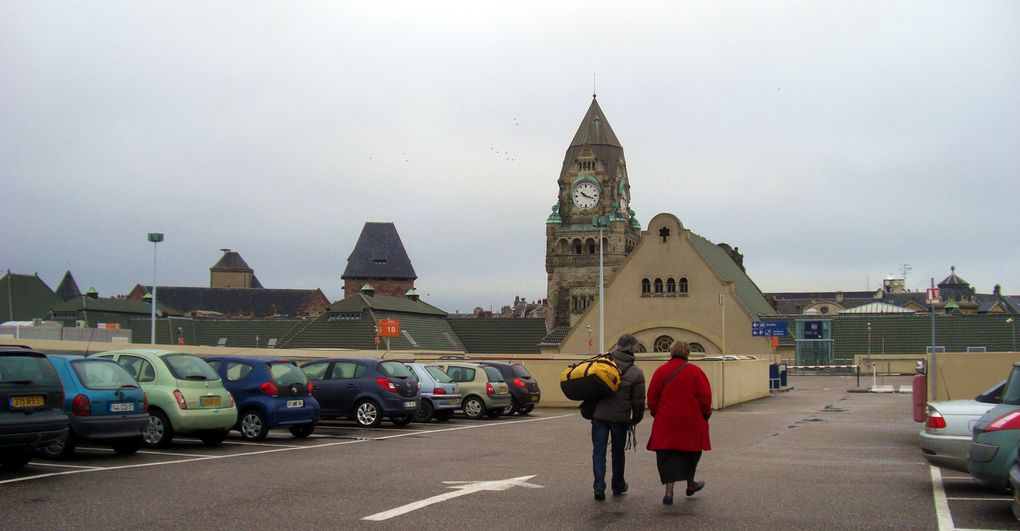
(997, 290)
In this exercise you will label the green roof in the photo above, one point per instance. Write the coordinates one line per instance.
(25, 297)
(500, 336)
(747, 292)
(359, 302)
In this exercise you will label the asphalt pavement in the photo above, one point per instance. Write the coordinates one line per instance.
(816, 456)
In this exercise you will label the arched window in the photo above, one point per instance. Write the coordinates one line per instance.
(646, 287)
(670, 286)
(658, 286)
(696, 347)
(590, 244)
(662, 343)
(640, 348)
(683, 284)
(577, 246)
(564, 246)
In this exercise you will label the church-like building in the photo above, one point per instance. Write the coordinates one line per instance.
(663, 284)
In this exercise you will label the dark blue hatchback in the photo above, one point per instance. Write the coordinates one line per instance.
(270, 393)
(365, 389)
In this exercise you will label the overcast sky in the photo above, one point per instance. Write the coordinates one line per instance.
(832, 142)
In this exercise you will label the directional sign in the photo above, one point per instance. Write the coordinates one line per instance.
(463, 488)
(770, 328)
(389, 327)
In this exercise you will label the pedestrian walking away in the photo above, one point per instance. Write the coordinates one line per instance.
(615, 416)
(680, 402)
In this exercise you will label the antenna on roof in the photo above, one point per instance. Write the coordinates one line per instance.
(905, 268)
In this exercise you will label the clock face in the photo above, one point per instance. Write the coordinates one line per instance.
(585, 195)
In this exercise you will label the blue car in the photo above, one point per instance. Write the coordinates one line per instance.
(270, 393)
(104, 405)
(364, 389)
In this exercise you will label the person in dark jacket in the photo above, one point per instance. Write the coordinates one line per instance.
(614, 416)
(680, 400)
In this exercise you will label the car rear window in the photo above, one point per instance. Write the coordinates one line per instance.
(286, 373)
(520, 371)
(188, 367)
(27, 370)
(395, 369)
(439, 375)
(95, 374)
(493, 374)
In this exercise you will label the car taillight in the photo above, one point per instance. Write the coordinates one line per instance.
(180, 399)
(269, 388)
(1009, 421)
(309, 387)
(80, 406)
(520, 383)
(145, 403)
(386, 384)
(489, 389)
(439, 391)
(230, 398)
(935, 420)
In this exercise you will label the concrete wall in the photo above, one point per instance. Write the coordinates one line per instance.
(960, 375)
(732, 382)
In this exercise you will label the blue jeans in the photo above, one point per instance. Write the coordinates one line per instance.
(600, 432)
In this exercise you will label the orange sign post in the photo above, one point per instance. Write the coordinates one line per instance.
(389, 327)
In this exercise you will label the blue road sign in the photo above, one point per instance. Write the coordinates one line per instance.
(770, 328)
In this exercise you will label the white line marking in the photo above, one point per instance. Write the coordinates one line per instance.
(36, 463)
(245, 443)
(461, 488)
(980, 499)
(942, 514)
(260, 452)
(155, 452)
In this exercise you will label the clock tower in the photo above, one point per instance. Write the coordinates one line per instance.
(593, 191)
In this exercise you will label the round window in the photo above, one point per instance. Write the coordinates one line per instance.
(696, 347)
(662, 343)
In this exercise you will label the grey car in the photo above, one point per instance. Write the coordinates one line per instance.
(440, 395)
(949, 428)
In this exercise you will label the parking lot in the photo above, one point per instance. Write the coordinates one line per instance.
(813, 457)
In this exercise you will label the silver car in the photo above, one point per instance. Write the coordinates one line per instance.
(440, 395)
(949, 428)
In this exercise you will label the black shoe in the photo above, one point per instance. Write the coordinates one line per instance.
(600, 494)
(625, 488)
(698, 485)
(667, 499)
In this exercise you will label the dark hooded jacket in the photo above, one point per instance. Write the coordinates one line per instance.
(627, 404)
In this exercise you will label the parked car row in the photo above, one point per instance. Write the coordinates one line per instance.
(135, 397)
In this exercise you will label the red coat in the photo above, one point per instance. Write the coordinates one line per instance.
(680, 409)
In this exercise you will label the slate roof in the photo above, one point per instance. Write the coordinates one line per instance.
(379, 253)
(747, 292)
(68, 288)
(230, 261)
(500, 336)
(238, 332)
(556, 336)
(260, 302)
(25, 297)
(360, 301)
(595, 132)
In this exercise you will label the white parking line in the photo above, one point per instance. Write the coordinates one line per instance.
(274, 450)
(942, 514)
(160, 452)
(64, 466)
(980, 499)
(247, 443)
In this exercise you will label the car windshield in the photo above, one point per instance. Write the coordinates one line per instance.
(188, 367)
(26, 370)
(286, 373)
(439, 375)
(493, 374)
(96, 374)
(1011, 394)
(395, 369)
(520, 371)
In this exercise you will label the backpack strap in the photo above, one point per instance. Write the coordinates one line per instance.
(678, 369)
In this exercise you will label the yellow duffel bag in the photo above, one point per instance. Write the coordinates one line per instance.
(591, 379)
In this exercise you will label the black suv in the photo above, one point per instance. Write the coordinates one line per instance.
(524, 389)
(31, 405)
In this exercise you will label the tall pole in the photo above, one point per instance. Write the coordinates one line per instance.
(155, 238)
(602, 299)
(933, 373)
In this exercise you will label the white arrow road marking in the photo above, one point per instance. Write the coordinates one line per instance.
(463, 488)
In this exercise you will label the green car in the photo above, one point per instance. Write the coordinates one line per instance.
(484, 390)
(185, 395)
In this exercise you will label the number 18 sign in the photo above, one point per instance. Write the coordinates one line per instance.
(389, 327)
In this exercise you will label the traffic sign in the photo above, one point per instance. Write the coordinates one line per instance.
(933, 295)
(770, 328)
(389, 327)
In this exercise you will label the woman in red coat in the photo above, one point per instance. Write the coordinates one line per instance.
(680, 400)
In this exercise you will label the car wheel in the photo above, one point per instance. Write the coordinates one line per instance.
(474, 408)
(213, 437)
(526, 409)
(253, 425)
(366, 414)
(509, 410)
(425, 411)
(127, 446)
(15, 458)
(443, 415)
(303, 430)
(401, 421)
(159, 432)
(61, 449)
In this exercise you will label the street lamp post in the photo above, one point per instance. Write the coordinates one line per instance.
(155, 238)
(1013, 322)
(601, 222)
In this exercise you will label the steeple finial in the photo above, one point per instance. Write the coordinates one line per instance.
(593, 92)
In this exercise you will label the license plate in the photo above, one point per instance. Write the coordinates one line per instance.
(534, 398)
(210, 401)
(27, 401)
(410, 404)
(122, 407)
(453, 402)
(295, 403)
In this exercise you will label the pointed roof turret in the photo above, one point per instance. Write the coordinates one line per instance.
(595, 129)
(68, 288)
(379, 253)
